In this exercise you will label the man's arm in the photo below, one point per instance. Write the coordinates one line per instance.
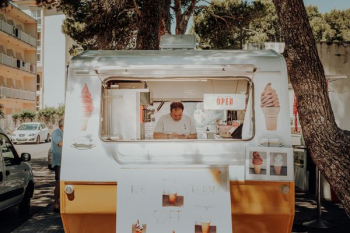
(157, 135)
(191, 136)
(57, 139)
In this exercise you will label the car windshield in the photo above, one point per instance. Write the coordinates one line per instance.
(28, 127)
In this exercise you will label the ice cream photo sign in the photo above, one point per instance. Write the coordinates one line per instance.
(269, 163)
(174, 201)
(224, 101)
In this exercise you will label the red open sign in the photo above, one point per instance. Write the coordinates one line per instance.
(224, 101)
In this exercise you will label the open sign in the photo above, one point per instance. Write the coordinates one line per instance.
(224, 101)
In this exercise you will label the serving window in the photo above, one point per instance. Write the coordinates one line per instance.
(217, 108)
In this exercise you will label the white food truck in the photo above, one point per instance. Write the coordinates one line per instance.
(236, 176)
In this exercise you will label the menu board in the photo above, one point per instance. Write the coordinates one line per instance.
(174, 201)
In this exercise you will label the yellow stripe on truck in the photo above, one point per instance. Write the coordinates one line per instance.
(256, 206)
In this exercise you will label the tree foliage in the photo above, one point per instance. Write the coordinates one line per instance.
(26, 115)
(120, 24)
(225, 24)
(328, 27)
(47, 114)
(108, 24)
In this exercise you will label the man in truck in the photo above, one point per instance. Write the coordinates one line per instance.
(175, 125)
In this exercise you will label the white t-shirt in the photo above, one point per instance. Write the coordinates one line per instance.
(167, 125)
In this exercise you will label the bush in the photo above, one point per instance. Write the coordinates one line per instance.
(60, 111)
(26, 115)
(15, 117)
(46, 114)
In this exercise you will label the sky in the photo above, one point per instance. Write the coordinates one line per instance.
(328, 5)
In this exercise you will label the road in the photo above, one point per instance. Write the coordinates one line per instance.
(44, 185)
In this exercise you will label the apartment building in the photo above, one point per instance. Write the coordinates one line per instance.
(18, 55)
(52, 53)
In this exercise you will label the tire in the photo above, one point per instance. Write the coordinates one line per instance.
(37, 140)
(24, 205)
(47, 138)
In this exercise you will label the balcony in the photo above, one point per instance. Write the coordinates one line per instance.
(19, 34)
(17, 64)
(17, 94)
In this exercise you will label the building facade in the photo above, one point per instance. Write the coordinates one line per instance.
(52, 53)
(18, 57)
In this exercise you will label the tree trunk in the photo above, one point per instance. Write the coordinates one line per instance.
(182, 19)
(147, 37)
(329, 145)
(165, 19)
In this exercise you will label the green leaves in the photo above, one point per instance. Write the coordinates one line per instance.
(226, 24)
(231, 23)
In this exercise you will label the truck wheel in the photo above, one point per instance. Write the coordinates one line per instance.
(47, 138)
(24, 205)
(37, 140)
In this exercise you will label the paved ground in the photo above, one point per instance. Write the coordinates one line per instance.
(305, 210)
(35, 150)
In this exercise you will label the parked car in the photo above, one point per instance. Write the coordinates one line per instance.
(16, 177)
(49, 159)
(33, 132)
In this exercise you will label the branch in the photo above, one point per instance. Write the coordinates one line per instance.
(190, 9)
(120, 13)
(136, 9)
(212, 14)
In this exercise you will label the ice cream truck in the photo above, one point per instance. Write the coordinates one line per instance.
(236, 176)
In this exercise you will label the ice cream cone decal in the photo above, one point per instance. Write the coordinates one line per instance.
(87, 105)
(138, 227)
(278, 164)
(270, 107)
(257, 162)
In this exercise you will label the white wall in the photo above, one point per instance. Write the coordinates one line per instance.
(54, 56)
(336, 61)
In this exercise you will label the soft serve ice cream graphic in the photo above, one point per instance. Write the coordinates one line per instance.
(138, 227)
(257, 162)
(270, 107)
(87, 105)
(278, 164)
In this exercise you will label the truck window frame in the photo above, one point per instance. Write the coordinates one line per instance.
(230, 140)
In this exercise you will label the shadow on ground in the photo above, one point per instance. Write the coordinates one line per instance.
(306, 210)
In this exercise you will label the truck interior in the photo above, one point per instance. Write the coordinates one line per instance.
(131, 107)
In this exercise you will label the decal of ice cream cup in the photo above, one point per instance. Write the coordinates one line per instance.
(87, 105)
(257, 162)
(278, 164)
(205, 227)
(172, 192)
(172, 198)
(270, 107)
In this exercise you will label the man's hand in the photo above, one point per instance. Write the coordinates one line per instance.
(60, 143)
(173, 135)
